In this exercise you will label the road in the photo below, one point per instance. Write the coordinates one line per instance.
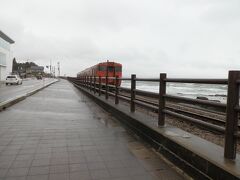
(11, 91)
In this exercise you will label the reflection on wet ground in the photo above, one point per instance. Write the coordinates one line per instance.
(59, 133)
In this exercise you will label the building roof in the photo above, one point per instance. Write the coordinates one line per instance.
(6, 38)
(37, 68)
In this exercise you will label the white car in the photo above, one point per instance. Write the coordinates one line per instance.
(13, 79)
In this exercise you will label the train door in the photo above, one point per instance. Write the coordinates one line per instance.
(114, 71)
(111, 71)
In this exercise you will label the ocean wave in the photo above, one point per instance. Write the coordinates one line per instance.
(214, 92)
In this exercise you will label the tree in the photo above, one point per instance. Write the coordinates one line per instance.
(14, 65)
(18, 68)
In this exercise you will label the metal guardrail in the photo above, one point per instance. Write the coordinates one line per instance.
(101, 86)
(198, 81)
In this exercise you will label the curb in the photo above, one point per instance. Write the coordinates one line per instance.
(12, 101)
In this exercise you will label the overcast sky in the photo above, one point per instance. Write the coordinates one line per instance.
(185, 38)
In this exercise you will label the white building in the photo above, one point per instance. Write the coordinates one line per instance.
(5, 56)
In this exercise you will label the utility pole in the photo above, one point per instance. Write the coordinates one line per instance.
(54, 71)
(50, 67)
(58, 69)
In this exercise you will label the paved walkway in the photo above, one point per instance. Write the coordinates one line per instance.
(59, 134)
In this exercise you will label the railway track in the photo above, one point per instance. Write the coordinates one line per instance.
(214, 117)
(194, 111)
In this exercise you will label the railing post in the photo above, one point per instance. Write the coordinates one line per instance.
(100, 86)
(116, 90)
(106, 87)
(85, 82)
(161, 100)
(231, 115)
(94, 81)
(133, 93)
(90, 83)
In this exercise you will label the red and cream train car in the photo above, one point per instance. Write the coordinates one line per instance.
(103, 69)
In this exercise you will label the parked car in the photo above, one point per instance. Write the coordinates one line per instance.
(13, 79)
(39, 77)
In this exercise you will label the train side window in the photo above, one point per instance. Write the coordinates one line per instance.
(118, 69)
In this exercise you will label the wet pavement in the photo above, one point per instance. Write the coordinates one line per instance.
(11, 91)
(59, 134)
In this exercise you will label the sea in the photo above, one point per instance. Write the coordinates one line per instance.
(190, 90)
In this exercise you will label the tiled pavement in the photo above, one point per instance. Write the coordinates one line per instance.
(59, 134)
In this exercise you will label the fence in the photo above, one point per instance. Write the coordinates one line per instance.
(101, 86)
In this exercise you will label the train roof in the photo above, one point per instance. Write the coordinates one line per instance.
(109, 62)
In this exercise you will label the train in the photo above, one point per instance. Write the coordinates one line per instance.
(103, 69)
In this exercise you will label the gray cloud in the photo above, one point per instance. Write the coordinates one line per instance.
(183, 38)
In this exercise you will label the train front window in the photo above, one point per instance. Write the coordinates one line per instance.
(110, 69)
(118, 69)
(102, 68)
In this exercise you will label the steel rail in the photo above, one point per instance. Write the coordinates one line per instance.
(112, 94)
(146, 93)
(181, 111)
(152, 106)
(146, 105)
(196, 121)
(124, 98)
(147, 101)
(201, 117)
